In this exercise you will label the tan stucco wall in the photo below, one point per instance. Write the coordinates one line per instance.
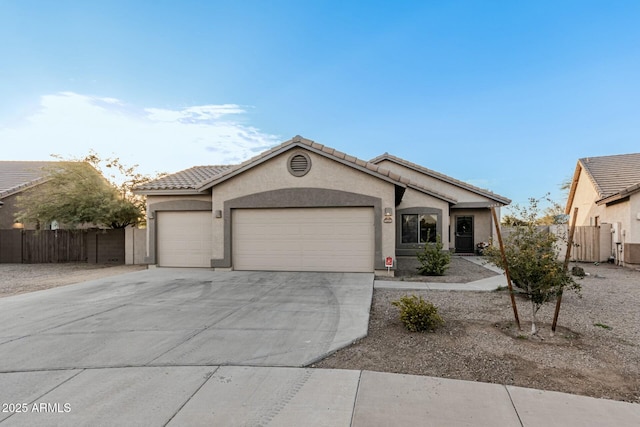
(483, 229)
(159, 199)
(460, 194)
(324, 173)
(634, 221)
(413, 198)
(584, 199)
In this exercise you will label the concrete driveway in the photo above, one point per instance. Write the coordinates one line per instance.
(145, 348)
(178, 317)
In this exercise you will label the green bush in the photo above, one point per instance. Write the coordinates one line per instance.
(434, 260)
(417, 314)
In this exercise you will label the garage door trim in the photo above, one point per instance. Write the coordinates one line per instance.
(303, 239)
(303, 198)
(170, 205)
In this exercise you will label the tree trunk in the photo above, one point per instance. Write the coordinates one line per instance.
(534, 330)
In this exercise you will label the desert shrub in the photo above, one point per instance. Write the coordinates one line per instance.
(417, 314)
(434, 260)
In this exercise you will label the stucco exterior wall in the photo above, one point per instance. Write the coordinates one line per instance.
(619, 213)
(584, 199)
(634, 221)
(483, 228)
(151, 200)
(460, 194)
(7, 213)
(273, 174)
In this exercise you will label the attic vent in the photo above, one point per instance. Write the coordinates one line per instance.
(299, 164)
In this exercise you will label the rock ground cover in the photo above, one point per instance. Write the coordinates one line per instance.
(595, 351)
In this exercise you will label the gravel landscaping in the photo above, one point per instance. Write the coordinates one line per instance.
(595, 351)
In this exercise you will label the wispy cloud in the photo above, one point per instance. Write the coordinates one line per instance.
(158, 139)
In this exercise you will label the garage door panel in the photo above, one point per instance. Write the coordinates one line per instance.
(184, 238)
(305, 239)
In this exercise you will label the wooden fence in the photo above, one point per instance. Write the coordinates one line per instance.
(586, 244)
(591, 243)
(59, 246)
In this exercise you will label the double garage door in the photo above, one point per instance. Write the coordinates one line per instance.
(303, 239)
(297, 239)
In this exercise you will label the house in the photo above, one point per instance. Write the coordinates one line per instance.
(606, 191)
(15, 178)
(302, 206)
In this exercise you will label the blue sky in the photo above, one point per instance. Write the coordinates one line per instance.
(506, 95)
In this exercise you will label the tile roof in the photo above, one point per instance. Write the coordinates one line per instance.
(16, 176)
(201, 178)
(442, 177)
(188, 179)
(612, 174)
(339, 156)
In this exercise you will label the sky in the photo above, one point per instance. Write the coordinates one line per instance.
(505, 95)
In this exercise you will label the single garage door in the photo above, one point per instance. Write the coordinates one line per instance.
(303, 239)
(184, 238)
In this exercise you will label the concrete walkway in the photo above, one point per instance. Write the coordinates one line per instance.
(280, 396)
(488, 284)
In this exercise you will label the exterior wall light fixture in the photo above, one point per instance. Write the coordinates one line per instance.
(388, 215)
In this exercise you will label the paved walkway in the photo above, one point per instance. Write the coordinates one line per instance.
(488, 284)
(260, 396)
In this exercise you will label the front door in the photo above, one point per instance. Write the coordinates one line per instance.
(464, 234)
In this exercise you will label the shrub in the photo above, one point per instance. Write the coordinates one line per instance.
(434, 260)
(417, 314)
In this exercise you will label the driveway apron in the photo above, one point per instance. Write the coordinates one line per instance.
(177, 317)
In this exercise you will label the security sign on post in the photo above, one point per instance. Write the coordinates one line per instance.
(388, 262)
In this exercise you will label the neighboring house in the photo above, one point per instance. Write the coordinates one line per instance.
(15, 178)
(302, 206)
(606, 190)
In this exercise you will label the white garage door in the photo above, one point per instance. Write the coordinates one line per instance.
(184, 239)
(303, 239)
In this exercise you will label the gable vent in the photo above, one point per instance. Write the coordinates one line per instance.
(299, 164)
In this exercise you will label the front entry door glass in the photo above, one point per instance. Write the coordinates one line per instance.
(464, 234)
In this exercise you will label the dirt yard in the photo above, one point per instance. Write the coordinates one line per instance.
(595, 351)
(20, 278)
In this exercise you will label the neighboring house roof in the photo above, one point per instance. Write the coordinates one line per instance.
(613, 177)
(442, 177)
(188, 179)
(16, 176)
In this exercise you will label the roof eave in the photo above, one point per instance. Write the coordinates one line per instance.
(23, 187)
(495, 197)
(619, 195)
(170, 192)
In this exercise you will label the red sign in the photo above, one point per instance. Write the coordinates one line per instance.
(388, 262)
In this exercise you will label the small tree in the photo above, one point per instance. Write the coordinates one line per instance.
(77, 193)
(434, 260)
(532, 257)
